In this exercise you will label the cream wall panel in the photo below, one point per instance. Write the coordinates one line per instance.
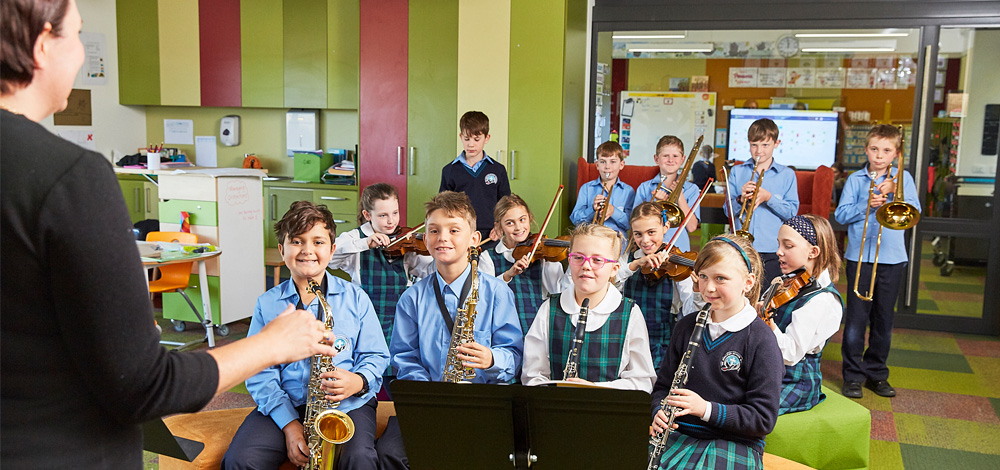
(180, 57)
(484, 67)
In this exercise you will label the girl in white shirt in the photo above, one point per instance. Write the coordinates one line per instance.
(615, 350)
(803, 324)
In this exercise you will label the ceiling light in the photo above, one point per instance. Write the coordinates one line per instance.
(700, 47)
(850, 46)
(664, 35)
(852, 35)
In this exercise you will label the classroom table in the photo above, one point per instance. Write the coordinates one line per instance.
(206, 303)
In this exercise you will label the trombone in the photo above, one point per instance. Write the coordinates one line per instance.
(672, 211)
(895, 215)
(748, 209)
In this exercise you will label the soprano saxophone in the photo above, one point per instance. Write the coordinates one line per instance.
(572, 369)
(658, 443)
(462, 332)
(325, 425)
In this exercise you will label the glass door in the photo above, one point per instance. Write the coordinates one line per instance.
(954, 248)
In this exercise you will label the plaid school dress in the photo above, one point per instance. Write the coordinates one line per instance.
(384, 280)
(601, 355)
(655, 302)
(689, 453)
(527, 286)
(801, 386)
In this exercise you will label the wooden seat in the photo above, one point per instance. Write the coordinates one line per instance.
(273, 258)
(217, 428)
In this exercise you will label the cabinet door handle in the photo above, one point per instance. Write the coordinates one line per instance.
(148, 208)
(333, 198)
(338, 221)
(399, 160)
(413, 155)
(513, 169)
(135, 194)
(274, 206)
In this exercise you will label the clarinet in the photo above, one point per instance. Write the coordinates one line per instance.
(658, 443)
(572, 369)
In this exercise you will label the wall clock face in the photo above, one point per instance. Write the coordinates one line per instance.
(787, 46)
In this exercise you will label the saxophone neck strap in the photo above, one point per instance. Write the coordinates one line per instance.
(323, 287)
(448, 321)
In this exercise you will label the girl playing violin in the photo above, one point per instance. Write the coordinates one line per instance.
(670, 158)
(803, 324)
(361, 255)
(532, 282)
(654, 299)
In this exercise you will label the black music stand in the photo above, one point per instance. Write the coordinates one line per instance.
(460, 426)
(157, 438)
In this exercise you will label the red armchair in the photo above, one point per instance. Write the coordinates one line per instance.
(815, 191)
(632, 175)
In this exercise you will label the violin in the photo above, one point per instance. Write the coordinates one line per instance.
(678, 266)
(402, 243)
(550, 249)
(783, 289)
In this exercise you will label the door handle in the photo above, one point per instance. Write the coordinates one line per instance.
(274, 206)
(148, 208)
(413, 155)
(339, 221)
(513, 168)
(399, 160)
(333, 198)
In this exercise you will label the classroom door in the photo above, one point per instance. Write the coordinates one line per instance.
(955, 248)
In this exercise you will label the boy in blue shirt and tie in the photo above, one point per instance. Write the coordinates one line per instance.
(273, 432)
(422, 334)
(593, 196)
(777, 199)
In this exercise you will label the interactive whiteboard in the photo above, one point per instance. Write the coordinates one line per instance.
(648, 115)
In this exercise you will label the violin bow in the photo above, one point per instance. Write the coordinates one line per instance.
(403, 236)
(545, 224)
(729, 202)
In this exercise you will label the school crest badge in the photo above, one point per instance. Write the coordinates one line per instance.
(491, 178)
(732, 361)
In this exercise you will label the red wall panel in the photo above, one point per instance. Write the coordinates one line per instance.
(219, 31)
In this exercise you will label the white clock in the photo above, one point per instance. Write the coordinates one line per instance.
(787, 46)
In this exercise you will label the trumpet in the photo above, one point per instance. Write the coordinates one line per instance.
(748, 209)
(601, 215)
(671, 211)
(895, 215)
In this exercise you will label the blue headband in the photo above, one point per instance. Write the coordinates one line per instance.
(804, 227)
(746, 259)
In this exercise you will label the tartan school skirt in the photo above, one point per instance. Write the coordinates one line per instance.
(689, 453)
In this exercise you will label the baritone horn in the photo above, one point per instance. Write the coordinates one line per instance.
(895, 215)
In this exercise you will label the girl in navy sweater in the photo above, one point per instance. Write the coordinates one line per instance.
(730, 402)
(803, 325)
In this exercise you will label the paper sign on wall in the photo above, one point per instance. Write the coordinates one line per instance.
(205, 151)
(178, 131)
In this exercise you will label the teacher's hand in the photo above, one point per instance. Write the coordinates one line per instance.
(294, 335)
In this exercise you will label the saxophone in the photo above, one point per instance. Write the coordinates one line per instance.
(572, 369)
(324, 424)
(462, 332)
(658, 443)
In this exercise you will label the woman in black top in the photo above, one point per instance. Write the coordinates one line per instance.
(82, 367)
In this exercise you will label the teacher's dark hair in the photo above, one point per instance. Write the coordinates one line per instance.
(23, 22)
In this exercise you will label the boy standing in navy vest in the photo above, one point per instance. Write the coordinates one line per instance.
(474, 173)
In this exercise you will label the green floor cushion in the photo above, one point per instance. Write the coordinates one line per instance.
(833, 435)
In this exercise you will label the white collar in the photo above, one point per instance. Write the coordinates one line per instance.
(613, 298)
(737, 322)
(367, 229)
(502, 248)
(824, 278)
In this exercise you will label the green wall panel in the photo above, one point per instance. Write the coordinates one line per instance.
(138, 52)
(432, 98)
(343, 35)
(305, 59)
(262, 53)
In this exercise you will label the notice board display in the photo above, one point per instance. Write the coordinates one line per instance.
(648, 115)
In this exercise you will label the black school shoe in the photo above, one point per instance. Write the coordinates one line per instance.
(881, 387)
(852, 389)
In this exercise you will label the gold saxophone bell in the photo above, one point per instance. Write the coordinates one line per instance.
(672, 212)
(334, 426)
(895, 215)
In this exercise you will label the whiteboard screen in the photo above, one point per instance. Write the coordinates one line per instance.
(648, 115)
(808, 138)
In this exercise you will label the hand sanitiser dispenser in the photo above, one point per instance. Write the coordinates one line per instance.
(229, 131)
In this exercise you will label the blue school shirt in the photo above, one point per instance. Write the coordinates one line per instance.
(768, 217)
(621, 197)
(279, 389)
(691, 192)
(461, 159)
(851, 212)
(420, 337)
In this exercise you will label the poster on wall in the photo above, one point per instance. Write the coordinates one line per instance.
(742, 77)
(832, 77)
(860, 78)
(94, 70)
(800, 77)
(885, 78)
(773, 77)
(686, 115)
